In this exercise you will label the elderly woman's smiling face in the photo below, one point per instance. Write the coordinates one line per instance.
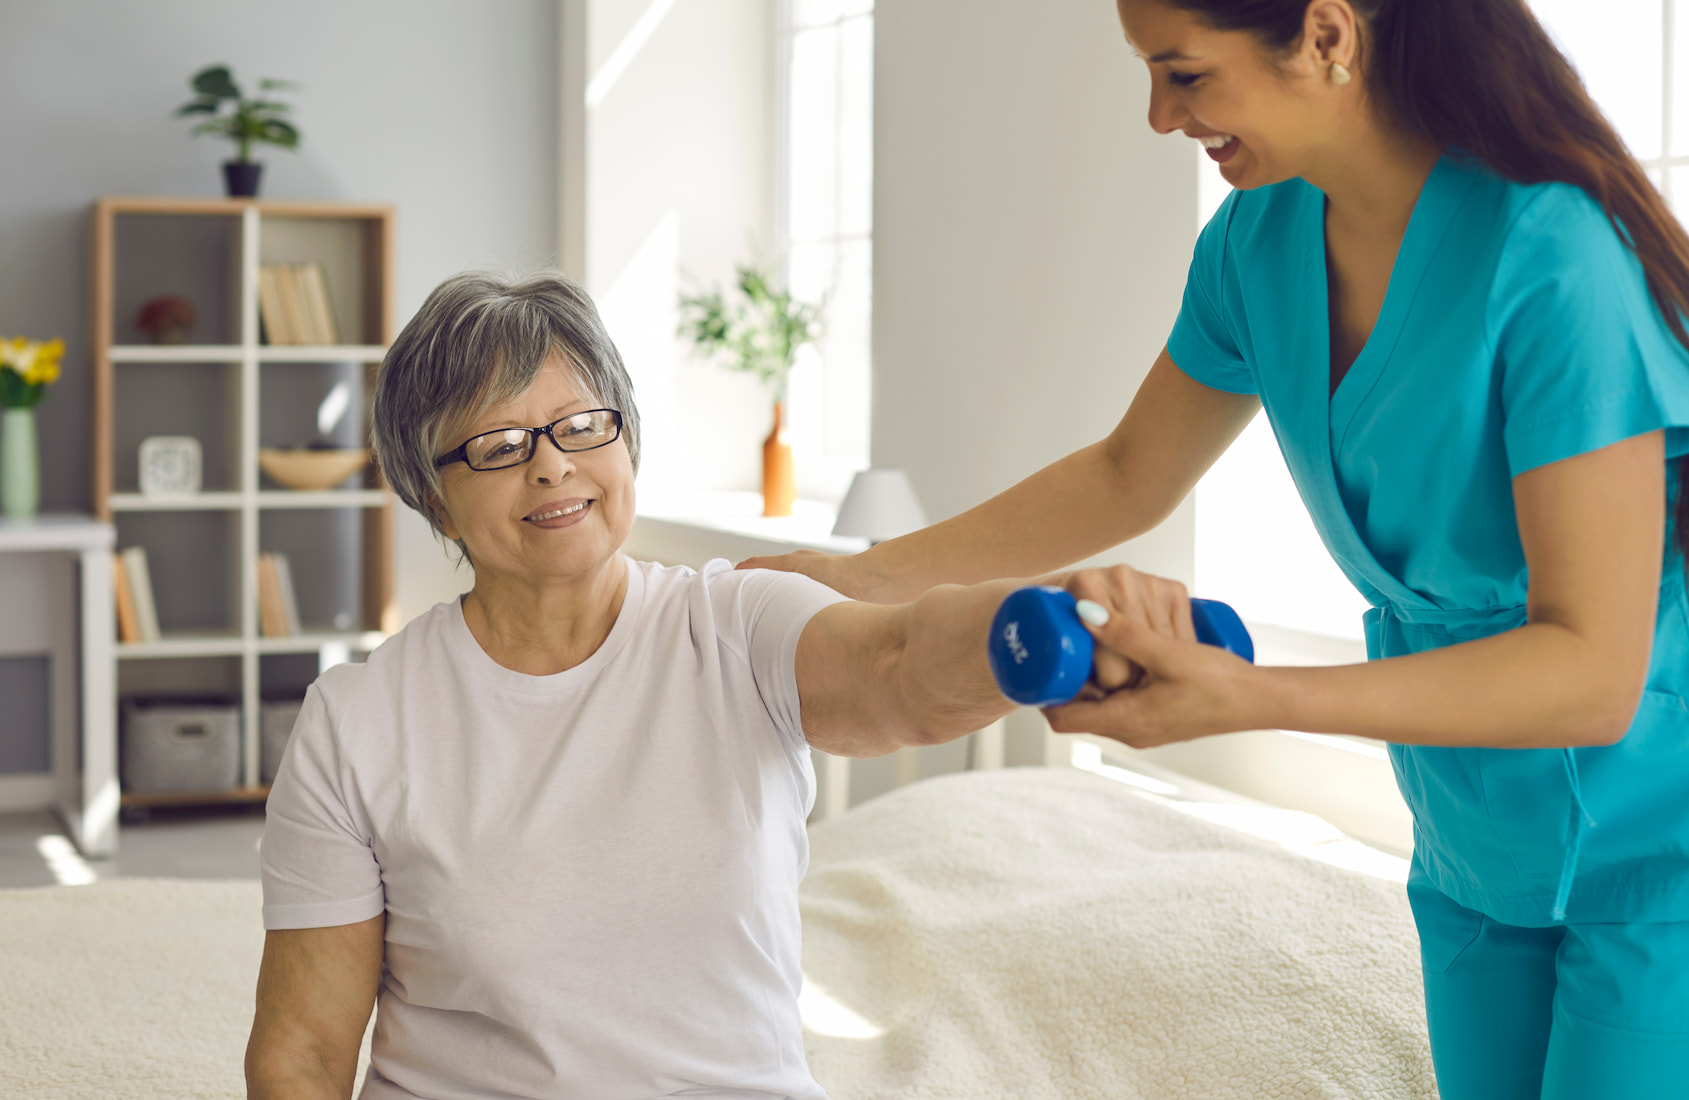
(558, 517)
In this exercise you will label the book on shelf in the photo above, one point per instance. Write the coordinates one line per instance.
(284, 581)
(315, 286)
(128, 624)
(278, 610)
(139, 583)
(293, 304)
(270, 311)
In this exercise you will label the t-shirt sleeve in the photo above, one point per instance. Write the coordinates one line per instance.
(315, 860)
(1586, 358)
(764, 612)
(1202, 343)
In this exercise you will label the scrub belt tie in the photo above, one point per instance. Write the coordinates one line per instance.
(1470, 624)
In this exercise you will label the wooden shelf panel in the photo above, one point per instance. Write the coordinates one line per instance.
(288, 208)
(268, 499)
(216, 644)
(328, 353)
(234, 353)
(326, 498)
(216, 500)
(310, 642)
(130, 800)
(175, 353)
(233, 645)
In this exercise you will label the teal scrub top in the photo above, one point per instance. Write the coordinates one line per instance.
(1517, 330)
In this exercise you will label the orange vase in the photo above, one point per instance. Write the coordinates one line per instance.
(778, 489)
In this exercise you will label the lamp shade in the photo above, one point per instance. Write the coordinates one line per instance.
(881, 504)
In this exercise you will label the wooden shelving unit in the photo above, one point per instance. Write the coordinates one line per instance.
(225, 392)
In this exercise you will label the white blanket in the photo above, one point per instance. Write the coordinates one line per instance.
(1036, 933)
(1019, 934)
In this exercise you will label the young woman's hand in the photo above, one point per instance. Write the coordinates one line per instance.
(1152, 682)
(843, 573)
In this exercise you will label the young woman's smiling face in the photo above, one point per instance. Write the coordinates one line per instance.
(559, 517)
(1262, 117)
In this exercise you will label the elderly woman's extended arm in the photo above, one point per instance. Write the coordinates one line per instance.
(316, 987)
(874, 678)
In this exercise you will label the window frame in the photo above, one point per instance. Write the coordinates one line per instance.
(822, 473)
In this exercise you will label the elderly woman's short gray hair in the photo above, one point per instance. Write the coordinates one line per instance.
(476, 343)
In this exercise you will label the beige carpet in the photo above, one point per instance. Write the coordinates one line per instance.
(133, 988)
(1028, 933)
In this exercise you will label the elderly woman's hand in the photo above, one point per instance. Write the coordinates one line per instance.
(1152, 682)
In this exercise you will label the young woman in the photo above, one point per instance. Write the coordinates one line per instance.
(1460, 302)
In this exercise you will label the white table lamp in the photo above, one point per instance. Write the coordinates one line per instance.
(881, 504)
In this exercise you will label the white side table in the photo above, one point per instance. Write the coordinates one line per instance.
(731, 525)
(86, 798)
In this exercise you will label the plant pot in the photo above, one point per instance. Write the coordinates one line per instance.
(778, 486)
(241, 177)
(20, 464)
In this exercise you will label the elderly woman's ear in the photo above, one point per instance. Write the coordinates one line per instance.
(443, 520)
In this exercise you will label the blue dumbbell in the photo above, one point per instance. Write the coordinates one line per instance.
(1041, 653)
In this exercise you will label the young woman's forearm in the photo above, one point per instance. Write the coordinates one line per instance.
(1540, 686)
(1071, 509)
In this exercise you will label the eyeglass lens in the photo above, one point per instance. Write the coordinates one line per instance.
(512, 446)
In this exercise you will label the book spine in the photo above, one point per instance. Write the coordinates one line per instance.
(298, 310)
(270, 620)
(128, 625)
(140, 588)
(270, 308)
(284, 585)
(316, 294)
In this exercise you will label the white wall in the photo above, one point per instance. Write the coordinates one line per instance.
(448, 110)
(678, 145)
(1031, 235)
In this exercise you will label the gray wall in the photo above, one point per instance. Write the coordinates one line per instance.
(447, 109)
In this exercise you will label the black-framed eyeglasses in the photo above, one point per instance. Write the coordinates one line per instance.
(581, 431)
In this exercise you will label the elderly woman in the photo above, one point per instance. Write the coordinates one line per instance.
(553, 831)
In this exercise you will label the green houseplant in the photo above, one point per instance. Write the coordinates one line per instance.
(246, 122)
(761, 333)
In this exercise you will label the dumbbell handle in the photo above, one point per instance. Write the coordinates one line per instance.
(1041, 653)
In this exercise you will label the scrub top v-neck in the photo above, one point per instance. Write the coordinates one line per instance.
(1516, 330)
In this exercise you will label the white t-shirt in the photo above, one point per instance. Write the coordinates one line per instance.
(590, 879)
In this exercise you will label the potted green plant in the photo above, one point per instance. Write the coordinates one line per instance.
(761, 333)
(246, 123)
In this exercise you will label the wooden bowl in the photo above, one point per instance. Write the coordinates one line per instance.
(304, 468)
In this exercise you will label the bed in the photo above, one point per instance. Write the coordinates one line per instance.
(1025, 933)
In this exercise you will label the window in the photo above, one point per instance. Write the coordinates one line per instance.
(1631, 76)
(825, 186)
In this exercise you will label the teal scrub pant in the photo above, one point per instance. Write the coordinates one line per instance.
(1570, 1012)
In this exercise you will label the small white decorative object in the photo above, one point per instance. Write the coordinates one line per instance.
(880, 504)
(170, 466)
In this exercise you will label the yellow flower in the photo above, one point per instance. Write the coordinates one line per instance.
(46, 368)
(37, 362)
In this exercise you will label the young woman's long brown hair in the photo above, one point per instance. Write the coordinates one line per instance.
(1484, 76)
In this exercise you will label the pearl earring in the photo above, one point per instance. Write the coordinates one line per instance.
(1339, 74)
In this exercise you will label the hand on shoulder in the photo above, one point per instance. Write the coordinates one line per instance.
(840, 572)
